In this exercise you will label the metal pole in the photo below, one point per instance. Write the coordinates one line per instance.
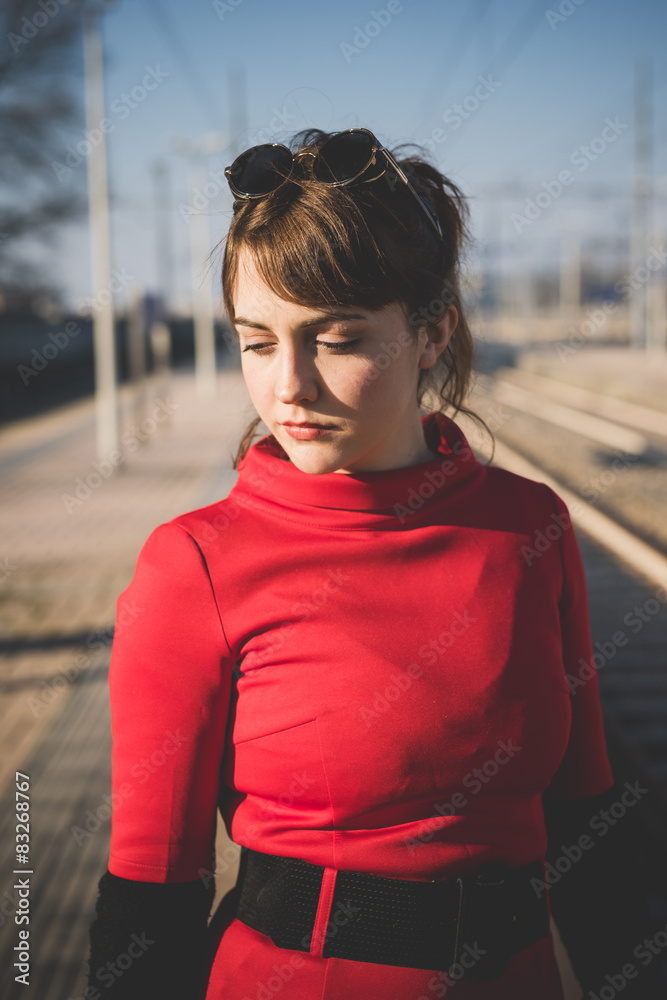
(638, 311)
(136, 352)
(202, 295)
(656, 344)
(570, 269)
(163, 235)
(106, 401)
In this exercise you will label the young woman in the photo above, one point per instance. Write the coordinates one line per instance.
(363, 655)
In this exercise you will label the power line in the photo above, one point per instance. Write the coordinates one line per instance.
(175, 40)
(459, 44)
(513, 44)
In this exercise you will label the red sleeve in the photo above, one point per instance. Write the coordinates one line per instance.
(169, 685)
(584, 769)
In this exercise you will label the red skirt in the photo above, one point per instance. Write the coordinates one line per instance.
(247, 965)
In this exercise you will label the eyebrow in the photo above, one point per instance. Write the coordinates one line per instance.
(327, 316)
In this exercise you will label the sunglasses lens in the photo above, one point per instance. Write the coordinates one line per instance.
(261, 169)
(342, 157)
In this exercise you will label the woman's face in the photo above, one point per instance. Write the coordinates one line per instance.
(352, 369)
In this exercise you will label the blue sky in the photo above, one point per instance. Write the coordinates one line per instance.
(549, 79)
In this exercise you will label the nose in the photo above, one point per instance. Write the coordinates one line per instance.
(296, 379)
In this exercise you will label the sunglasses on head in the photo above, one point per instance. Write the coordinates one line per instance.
(341, 160)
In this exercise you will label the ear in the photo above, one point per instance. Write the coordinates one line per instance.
(438, 335)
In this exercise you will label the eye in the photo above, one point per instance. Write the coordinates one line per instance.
(339, 345)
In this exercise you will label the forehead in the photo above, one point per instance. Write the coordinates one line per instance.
(248, 279)
(254, 299)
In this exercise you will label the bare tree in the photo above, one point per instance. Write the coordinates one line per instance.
(40, 105)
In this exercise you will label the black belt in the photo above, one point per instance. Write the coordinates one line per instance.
(475, 922)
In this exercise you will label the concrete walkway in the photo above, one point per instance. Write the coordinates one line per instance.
(69, 537)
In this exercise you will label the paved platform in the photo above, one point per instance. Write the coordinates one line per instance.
(64, 558)
(69, 539)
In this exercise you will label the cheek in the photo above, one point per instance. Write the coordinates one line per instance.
(389, 372)
(256, 383)
(358, 383)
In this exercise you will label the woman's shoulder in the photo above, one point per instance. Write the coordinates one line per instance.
(192, 531)
(531, 495)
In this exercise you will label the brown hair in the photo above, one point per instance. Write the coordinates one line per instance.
(364, 244)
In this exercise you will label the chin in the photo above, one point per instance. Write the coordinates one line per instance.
(308, 460)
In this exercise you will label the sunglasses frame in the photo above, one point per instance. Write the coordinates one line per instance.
(377, 147)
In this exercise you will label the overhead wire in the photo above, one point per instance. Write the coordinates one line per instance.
(198, 86)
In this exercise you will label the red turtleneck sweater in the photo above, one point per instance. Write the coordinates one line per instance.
(403, 639)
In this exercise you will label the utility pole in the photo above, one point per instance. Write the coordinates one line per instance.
(136, 352)
(197, 153)
(656, 343)
(106, 400)
(202, 293)
(164, 255)
(642, 202)
(570, 269)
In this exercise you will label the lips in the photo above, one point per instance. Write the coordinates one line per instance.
(289, 423)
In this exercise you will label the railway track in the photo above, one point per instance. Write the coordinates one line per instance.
(613, 478)
(607, 458)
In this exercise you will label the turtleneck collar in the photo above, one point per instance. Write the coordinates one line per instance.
(390, 498)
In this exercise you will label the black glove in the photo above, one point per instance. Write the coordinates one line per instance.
(598, 894)
(149, 939)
